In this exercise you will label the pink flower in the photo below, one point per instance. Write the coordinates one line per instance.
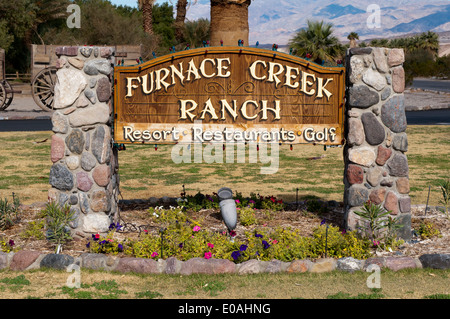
(154, 254)
(210, 245)
(208, 255)
(196, 228)
(237, 201)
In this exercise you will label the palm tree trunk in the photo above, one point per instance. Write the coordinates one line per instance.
(147, 15)
(179, 21)
(229, 22)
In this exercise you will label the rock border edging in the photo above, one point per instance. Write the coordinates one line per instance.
(29, 260)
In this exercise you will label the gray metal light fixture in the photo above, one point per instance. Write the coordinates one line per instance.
(227, 207)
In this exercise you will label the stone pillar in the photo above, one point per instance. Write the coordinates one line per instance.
(84, 173)
(229, 22)
(376, 167)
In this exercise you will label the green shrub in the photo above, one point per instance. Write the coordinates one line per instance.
(34, 229)
(445, 189)
(247, 216)
(428, 230)
(8, 212)
(58, 219)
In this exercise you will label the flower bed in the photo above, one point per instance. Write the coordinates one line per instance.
(268, 229)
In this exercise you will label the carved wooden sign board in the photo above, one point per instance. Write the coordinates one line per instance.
(228, 94)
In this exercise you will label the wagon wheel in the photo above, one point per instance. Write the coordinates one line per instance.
(42, 88)
(9, 95)
(2, 96)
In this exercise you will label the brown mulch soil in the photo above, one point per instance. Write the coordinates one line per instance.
(135, 218)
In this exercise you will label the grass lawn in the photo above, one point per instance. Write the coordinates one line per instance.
(403, 284)
(146, 172)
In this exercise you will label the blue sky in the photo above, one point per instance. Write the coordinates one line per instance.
(130, 3)
(133, 3)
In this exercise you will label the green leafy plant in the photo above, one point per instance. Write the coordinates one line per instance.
(247, 216)
(58, 219)
(8, 212)
(390, 235)
(428, 230)
(445, 189)
(373, 220)
(34, 229)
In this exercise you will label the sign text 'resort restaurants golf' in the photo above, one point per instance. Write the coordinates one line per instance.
(228, 94)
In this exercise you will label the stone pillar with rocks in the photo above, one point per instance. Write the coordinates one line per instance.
(84, 173)
(376, 167)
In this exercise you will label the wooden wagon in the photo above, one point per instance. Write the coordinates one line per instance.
(6, 90)
(43, 73)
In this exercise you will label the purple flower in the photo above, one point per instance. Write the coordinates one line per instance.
(120, 247)
(88, 245)
(265, 244)
(235, 254)
(323, 222)
(258, 235)
(243, 247)
(11, 243)
(180, 245)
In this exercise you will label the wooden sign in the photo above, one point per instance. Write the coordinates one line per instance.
(228, 94)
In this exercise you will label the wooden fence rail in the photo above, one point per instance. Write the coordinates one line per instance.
(24, 77)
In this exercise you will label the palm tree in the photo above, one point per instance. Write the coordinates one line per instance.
(182, 7)
(45, 11)
(318, 41)
(146, 6)
(179, 20)
(229, 22)
(353, 36)
(195, 32)
(429, 41)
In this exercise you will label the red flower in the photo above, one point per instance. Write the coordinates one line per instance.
(232, 233)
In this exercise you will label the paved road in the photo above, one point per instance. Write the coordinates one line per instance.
(432, 117)
(430, 84)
